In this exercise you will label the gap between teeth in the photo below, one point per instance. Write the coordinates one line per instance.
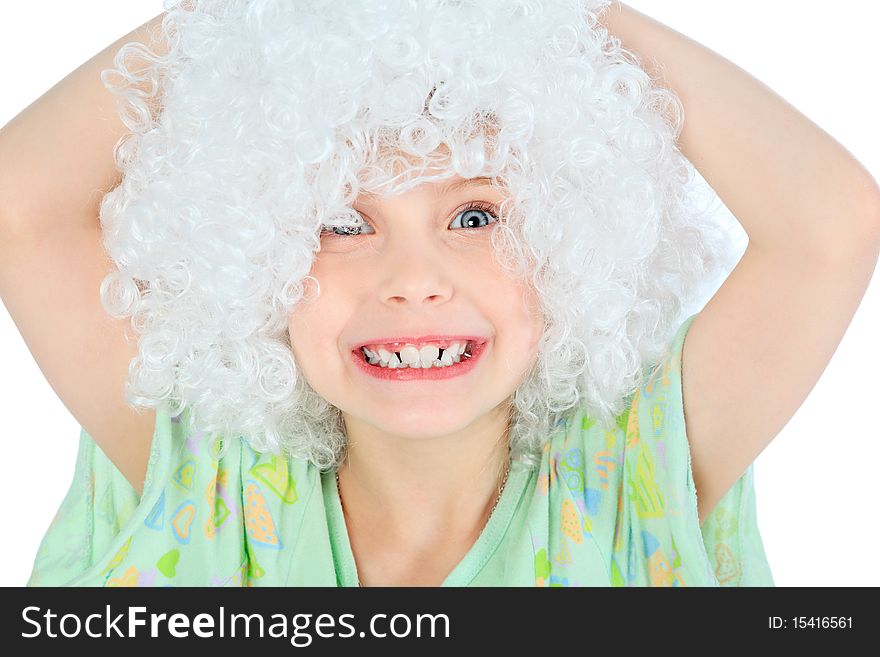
(414, 358)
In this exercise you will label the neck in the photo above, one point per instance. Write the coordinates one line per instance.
(417, 491)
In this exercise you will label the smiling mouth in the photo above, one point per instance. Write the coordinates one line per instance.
(425, 358)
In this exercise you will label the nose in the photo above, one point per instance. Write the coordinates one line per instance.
(415, 275)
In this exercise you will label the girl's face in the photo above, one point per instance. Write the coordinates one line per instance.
(421, 265)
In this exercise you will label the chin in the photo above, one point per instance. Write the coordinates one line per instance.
(420, 426)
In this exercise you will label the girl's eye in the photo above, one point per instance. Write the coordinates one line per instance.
(344, 231)
(485, 209)
(472, 218)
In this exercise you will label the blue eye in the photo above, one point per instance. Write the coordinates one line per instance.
(479, 208)
(486, 209)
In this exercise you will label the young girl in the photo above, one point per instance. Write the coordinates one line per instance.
(396, 296)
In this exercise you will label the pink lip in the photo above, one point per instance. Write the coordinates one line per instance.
(409, 374)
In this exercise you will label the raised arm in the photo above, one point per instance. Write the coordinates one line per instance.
(812, 215)
(787, 181)
(56, 156)
(56, 162)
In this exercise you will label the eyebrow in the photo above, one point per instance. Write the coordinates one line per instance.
(452, 186)
(455, 185)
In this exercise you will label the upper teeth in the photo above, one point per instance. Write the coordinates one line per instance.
(412, 356)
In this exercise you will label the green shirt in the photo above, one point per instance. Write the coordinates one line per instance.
(614, 508)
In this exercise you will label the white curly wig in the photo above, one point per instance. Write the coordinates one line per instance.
(276, 114)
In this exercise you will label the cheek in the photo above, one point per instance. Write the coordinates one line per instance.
(316, 326)
(533, 327)
(303, 325)
(524, 309)
(520, 326)
(297, 336)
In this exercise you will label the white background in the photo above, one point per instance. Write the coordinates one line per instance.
(815, 482)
